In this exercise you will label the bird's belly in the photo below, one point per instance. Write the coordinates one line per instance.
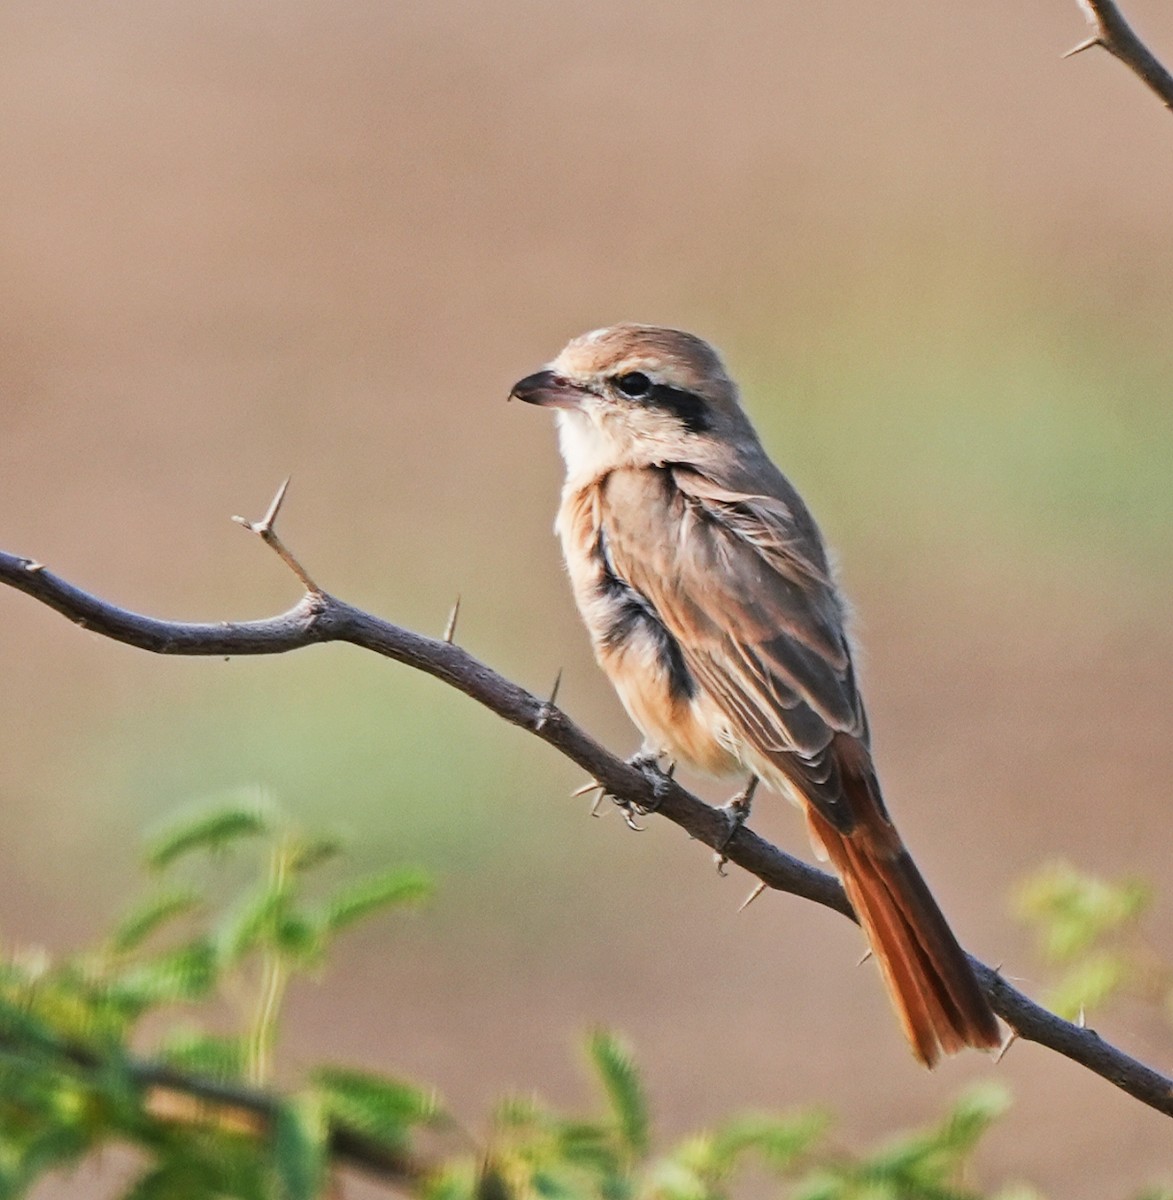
(682, 722)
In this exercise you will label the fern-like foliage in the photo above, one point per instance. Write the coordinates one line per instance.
(76, 1073)
(81, 1068)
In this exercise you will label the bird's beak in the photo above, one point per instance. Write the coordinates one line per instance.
(549, 390)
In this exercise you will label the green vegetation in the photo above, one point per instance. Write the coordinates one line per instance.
(1089, 928)
(200, 1106)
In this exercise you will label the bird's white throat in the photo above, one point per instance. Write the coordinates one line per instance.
(586, 449)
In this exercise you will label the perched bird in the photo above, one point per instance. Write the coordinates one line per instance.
(713, 609)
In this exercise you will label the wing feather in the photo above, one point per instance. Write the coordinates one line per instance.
(746, 592)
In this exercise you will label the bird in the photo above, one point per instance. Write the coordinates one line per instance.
(712, 606)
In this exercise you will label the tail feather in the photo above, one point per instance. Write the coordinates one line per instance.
(932, 985)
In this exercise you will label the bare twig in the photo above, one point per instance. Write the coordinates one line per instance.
(320, 617)
(1111, 31)
(266, 530)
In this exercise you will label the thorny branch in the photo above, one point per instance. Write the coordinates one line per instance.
(1113, 33)
(321, 617)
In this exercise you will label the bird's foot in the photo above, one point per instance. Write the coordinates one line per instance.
(736, 813)
(647, 763)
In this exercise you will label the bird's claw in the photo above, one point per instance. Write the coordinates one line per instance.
(647, 764)
(630, 811)
(736, 814)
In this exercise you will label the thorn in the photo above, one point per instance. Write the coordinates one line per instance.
(761, 887)
(1094, 40)
(670, 770)
(997, 969)
(265, 529)
(546, 710)
(1010, 1040)
(33, 567)
(598, 803)
(1081, 1020)
(450, 628)
(864, 957)
(275, 505)
(591, 785)
(264, 526)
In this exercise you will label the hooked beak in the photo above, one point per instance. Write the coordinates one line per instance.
(547, 389)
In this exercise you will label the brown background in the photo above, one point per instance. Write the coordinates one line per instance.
(246, 240)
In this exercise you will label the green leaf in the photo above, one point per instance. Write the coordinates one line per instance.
(1072, 910)
(209, 830)
(306, 855)
(925, 1163)
(674, 1179)
(199, 1165)
(455, 1180)
(253, 921)
(144, 920)
(697, 1155)
(1089, 984)
(206, 1054)
(617, 1072)
(588, 1144)
(519, 1111)
(357, 900)
(299, 1146)
(973, 1114)
(826, 1183)
(384, 1109)
(161, 1183)
(23, 1026)
(300, 937)
(48, 1147)
(780, 1141)
(186, 973)
(549, 1186)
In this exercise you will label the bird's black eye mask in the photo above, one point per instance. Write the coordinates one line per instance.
(689, 409)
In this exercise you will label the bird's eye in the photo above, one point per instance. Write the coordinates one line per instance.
(634, 384)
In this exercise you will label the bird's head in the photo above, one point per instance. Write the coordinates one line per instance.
(637, 395)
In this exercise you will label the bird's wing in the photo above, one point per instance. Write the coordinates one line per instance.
(740, 583)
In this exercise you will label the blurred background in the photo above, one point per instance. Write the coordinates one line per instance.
(243, 241)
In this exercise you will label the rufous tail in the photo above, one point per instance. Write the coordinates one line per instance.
(931, 983)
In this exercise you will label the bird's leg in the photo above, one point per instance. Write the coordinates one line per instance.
(736, 813)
